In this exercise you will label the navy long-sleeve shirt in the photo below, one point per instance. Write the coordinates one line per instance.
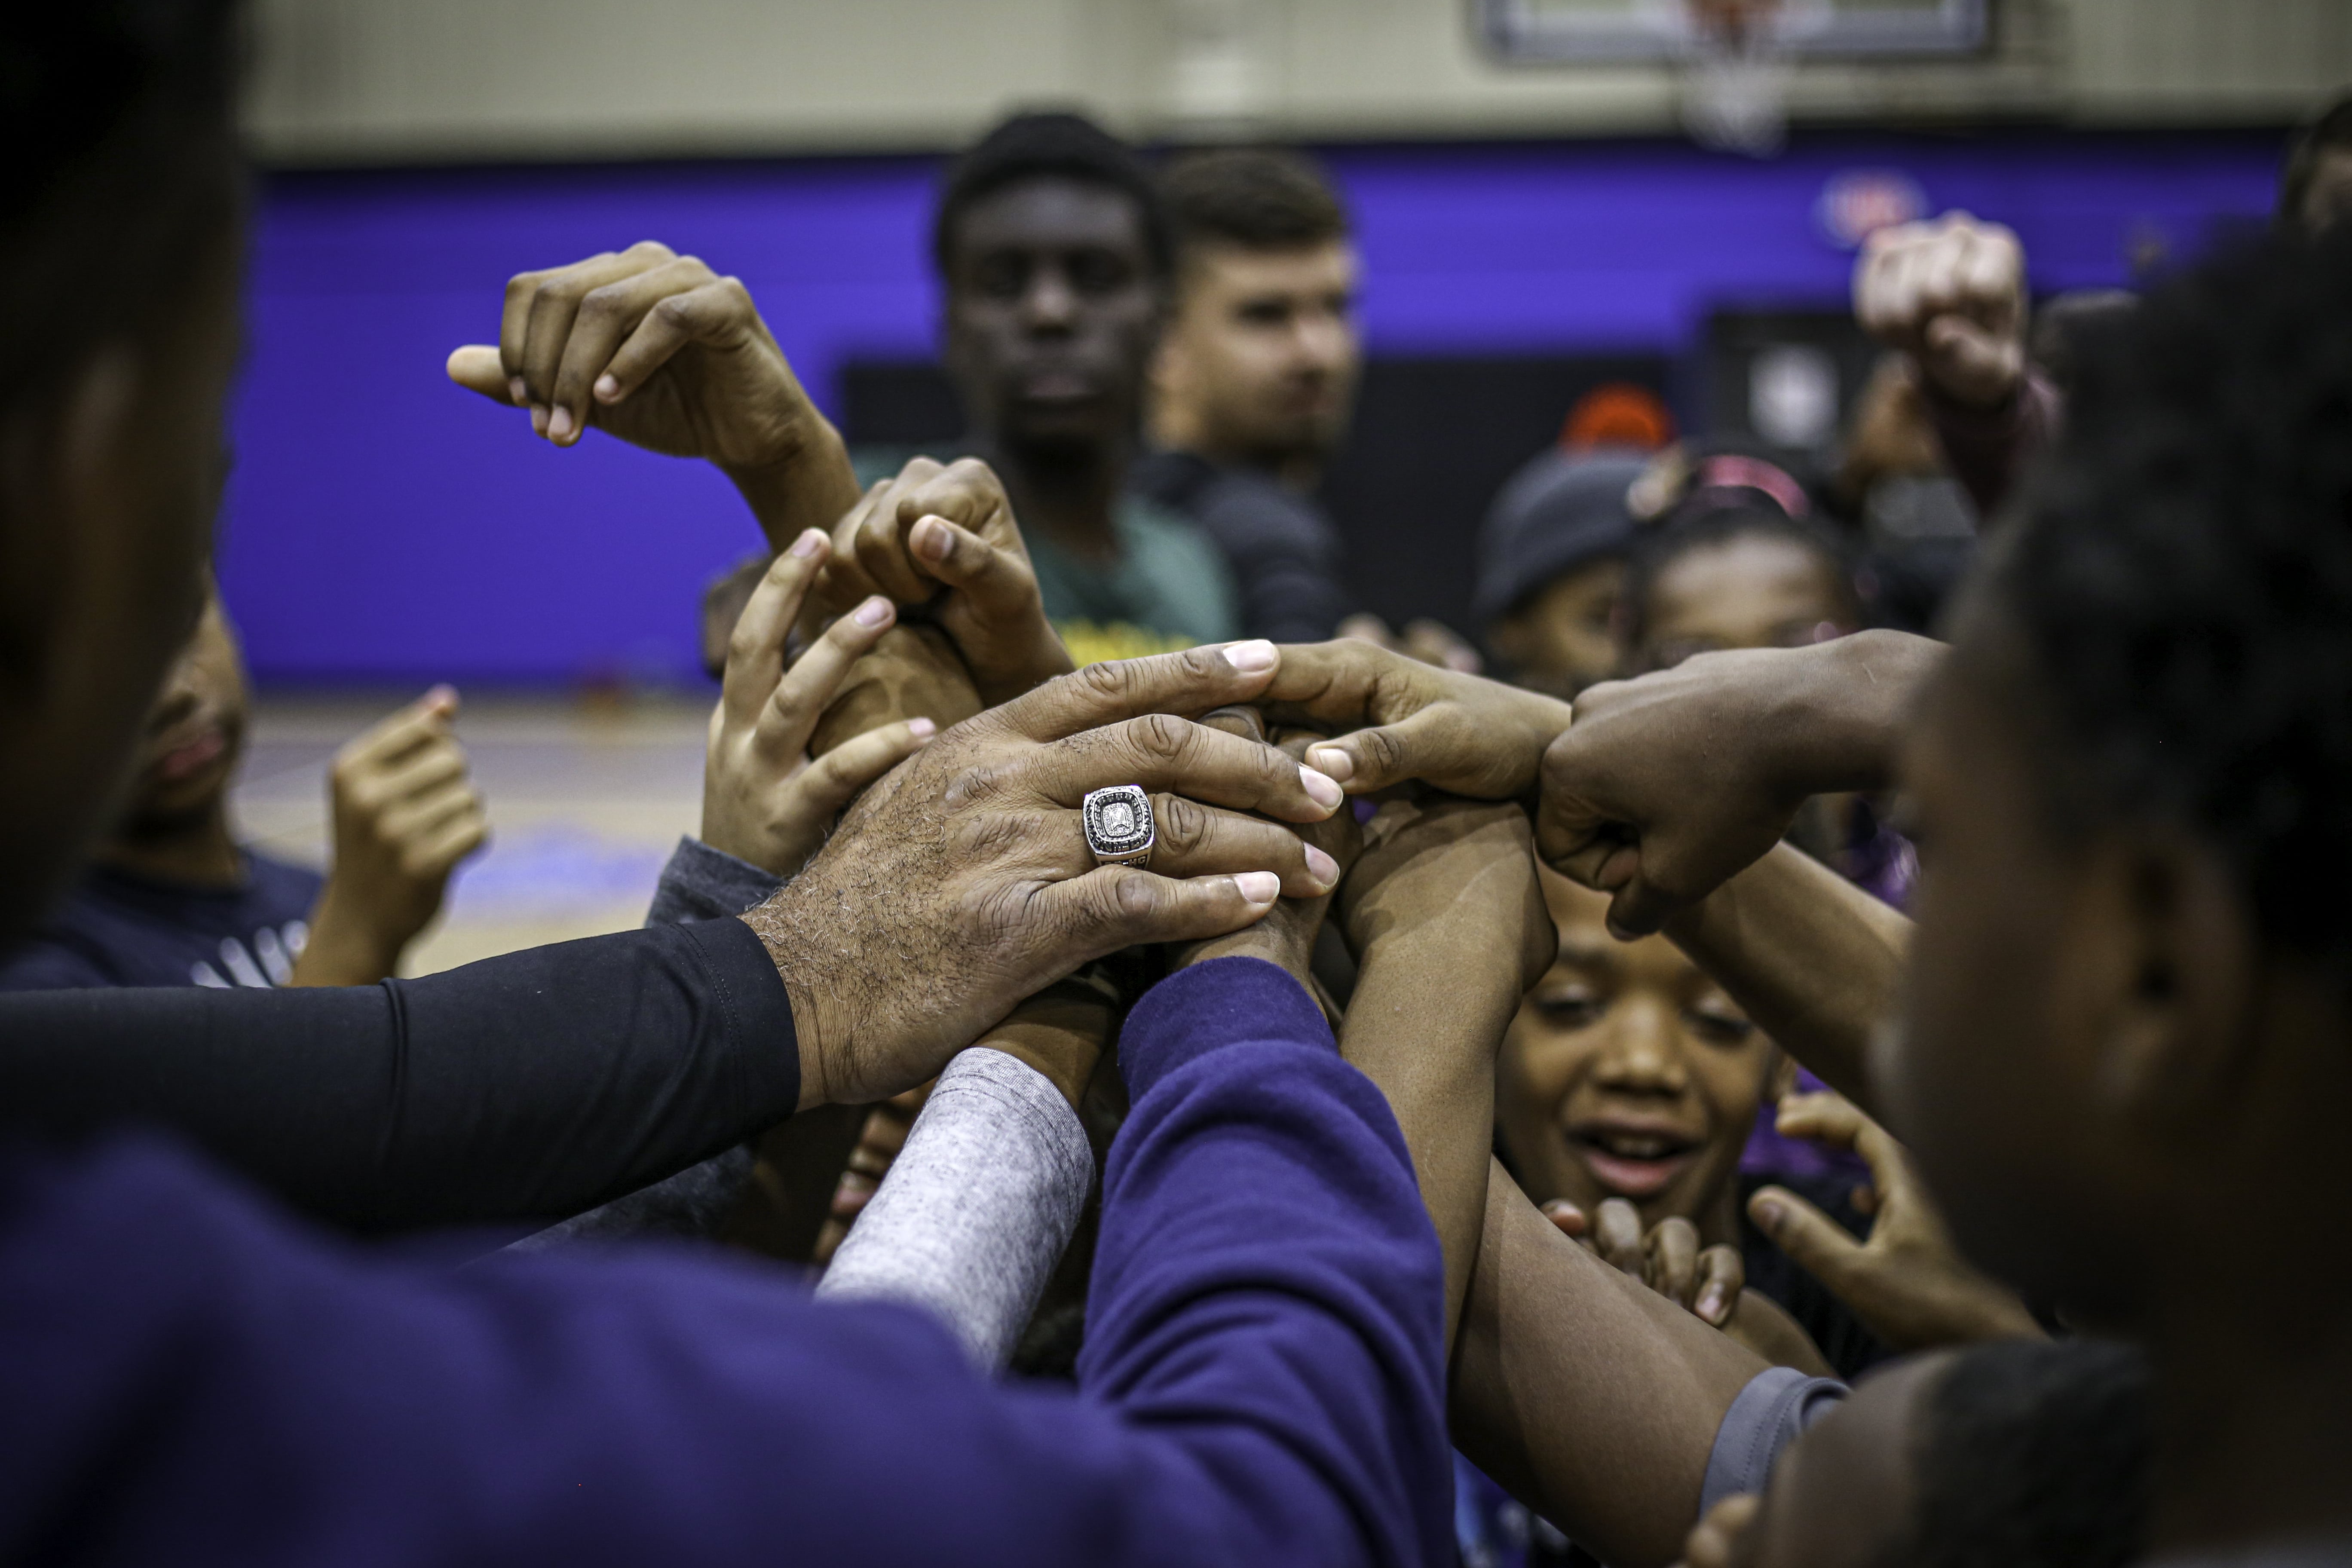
(186, 1373)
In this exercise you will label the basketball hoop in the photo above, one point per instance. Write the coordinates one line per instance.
(1734, 75)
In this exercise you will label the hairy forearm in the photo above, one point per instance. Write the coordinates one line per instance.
(1812, 959)
(1423, 1025)
(1592, 1398)
(810, 487)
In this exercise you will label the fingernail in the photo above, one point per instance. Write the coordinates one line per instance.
(559, 423)
(873, 612)
(607, 388)
(1770, 1215)
(1251, 657)
(518, 392)
(930, 539)
(810, 540)
(1333, 762)
(922, 729)
(539, 419)
(1710, 1303)
(1321, 866)
(1258, 887)
(1323, 787)
(442, 693)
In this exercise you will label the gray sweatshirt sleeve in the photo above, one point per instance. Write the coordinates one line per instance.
(977, 1207)
(1768, 1415)
(699, 883)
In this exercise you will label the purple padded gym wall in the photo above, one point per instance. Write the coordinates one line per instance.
(383, 526)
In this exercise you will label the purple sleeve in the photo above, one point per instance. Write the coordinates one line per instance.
(185, 1375)
(1990, 449)
(1267, 1287)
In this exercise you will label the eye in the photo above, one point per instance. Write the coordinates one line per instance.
(1717, 1026)
(1569, 1008)
(1001, 276)
(1263, 313)
(1099, 272)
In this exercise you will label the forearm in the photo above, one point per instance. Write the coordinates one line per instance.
(1587, 1394)
(538, 1083)
(809, 488)
(1837, 726)
(1429, 1009)
(1812, 959)
(344, 947)
(1988, 448)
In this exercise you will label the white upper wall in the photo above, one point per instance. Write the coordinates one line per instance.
(426, 80)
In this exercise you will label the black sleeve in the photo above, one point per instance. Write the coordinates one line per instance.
(533, 1085)
(1285, 556)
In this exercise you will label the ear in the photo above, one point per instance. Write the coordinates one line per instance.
(2165, 983)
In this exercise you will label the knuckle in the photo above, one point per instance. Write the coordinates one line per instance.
(602, 303)
(1183, 826)
(1161, 735)
(1109, 680)
(649, 249)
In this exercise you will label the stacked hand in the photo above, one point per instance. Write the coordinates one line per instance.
(404, 814)
(943, 537)
(1285, 938)
(962, 882)
(764, 800)
(1950, 293)
(1908, 1282)
(1392, 718)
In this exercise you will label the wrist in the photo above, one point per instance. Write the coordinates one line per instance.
(813, 1020)
(803, 481)
(343, 948)
(1839, 722)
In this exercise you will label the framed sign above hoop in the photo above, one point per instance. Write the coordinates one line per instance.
(1537, 32)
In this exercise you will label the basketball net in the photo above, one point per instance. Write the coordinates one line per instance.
(1735, 76)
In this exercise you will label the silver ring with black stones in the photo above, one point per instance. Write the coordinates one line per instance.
(1119, 824)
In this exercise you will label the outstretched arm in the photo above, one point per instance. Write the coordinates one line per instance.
(1812, 959)
(1449, 929)
(1587, 1394)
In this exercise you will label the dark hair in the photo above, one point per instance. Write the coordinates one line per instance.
(122, 172)
(2329, 132)
(2031, 1454)
(1259, 198)
(2181, 578)
(1703, 522)
(1050, 146)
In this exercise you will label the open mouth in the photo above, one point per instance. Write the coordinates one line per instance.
(1632, 1163)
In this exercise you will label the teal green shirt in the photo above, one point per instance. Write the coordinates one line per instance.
(1168, 589)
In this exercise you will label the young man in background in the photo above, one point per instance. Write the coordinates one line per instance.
(174, 899)
(1055, 255)
(1255, 378)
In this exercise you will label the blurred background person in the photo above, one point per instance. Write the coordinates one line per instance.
(175, 899)
(1255, 378)
(1055, 254)
(1551, 550)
